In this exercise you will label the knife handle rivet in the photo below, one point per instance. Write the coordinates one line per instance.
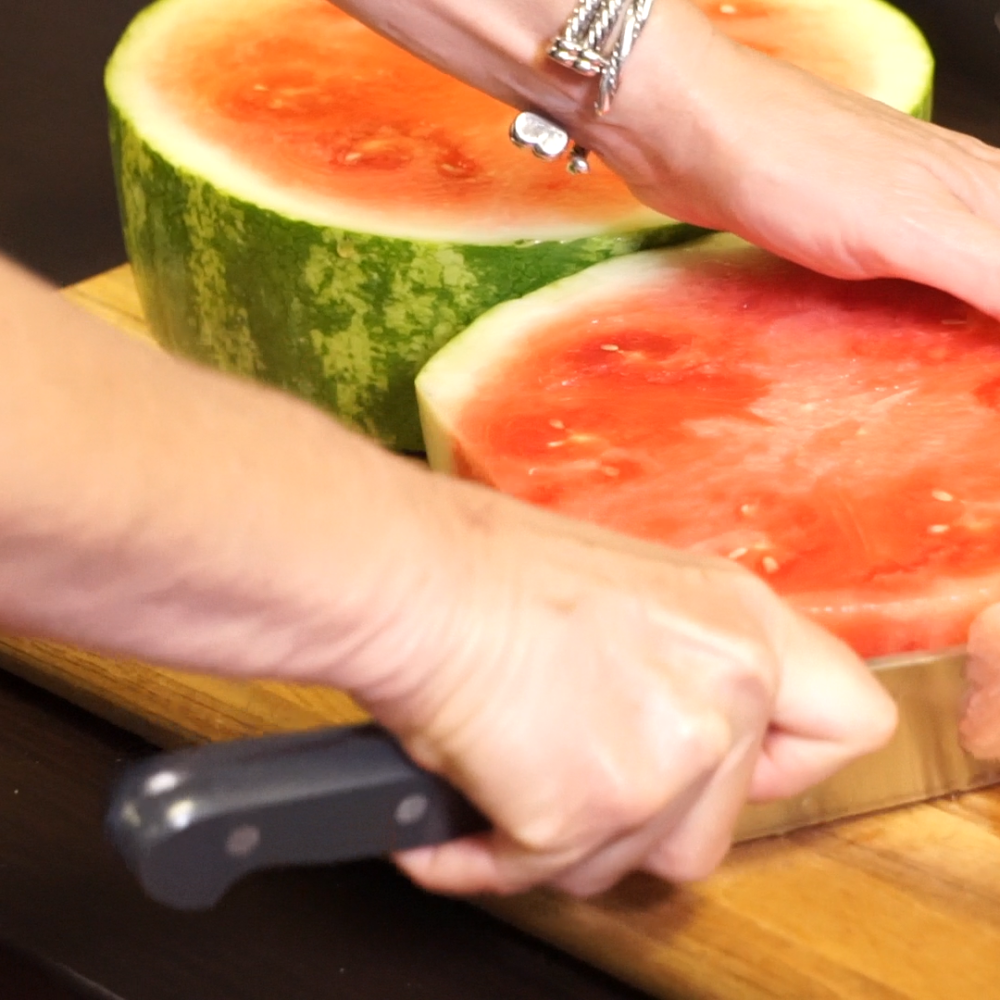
(242, 840)
(161, 782)
(411, 810)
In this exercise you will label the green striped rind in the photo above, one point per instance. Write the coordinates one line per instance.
(344, 319)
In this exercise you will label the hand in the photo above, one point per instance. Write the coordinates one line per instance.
(610, 705)
(823, 176)
(708, 131)
(980, 725)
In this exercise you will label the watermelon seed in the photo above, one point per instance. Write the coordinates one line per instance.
(738, 553)
(770, 564)
(748, 508)
(462, 169)
(557, 424)
(609, 347)
(938, 529)
(727, 8)
(941, 495)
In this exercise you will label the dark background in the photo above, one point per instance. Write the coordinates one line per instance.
(72, 922)
(57, 202)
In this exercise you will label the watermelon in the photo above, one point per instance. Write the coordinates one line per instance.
(840, 439)
(305, 203)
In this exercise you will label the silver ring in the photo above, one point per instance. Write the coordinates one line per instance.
(595, 41)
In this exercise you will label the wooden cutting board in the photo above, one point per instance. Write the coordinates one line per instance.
(902, 905)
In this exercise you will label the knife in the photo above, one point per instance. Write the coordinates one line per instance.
(190, 824)
(923, 760)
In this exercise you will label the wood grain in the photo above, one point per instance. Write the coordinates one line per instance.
(902, 905)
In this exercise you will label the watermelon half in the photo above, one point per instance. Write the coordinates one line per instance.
(841, 439)
(305, 203)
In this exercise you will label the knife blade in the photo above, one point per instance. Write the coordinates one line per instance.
(191, 823)
(923, 760)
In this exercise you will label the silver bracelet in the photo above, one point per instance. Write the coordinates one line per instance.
(595, 42)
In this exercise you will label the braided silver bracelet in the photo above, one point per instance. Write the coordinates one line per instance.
(595, 42)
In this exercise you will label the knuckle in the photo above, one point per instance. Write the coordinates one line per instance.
(627, 801)
(631, 803)
(552, 833)
(702, 741)
(756, 670)
(630, 812)
(688, 862)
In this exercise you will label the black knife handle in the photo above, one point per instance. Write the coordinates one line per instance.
(190, 823)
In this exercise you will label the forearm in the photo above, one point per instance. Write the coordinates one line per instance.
(158, 509)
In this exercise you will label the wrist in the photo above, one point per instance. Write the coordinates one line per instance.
(430, 586)
(499, 47)
(656, 133)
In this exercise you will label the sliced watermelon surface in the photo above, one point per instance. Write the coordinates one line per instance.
(840, 439)
(347, 125)
(305, 203)
(873, 49)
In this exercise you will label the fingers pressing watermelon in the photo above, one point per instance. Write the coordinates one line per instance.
(980, 728)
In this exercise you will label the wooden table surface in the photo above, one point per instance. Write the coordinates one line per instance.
(904, 904)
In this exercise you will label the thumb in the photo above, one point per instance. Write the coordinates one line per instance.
(980, 726)
(828, 710)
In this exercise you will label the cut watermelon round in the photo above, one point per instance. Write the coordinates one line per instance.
(838, 438)
(306, 203)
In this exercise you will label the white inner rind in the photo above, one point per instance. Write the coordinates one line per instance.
(895, 49)
(450, 379)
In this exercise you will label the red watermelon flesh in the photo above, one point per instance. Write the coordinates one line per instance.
(314, 101)
(840, 439)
